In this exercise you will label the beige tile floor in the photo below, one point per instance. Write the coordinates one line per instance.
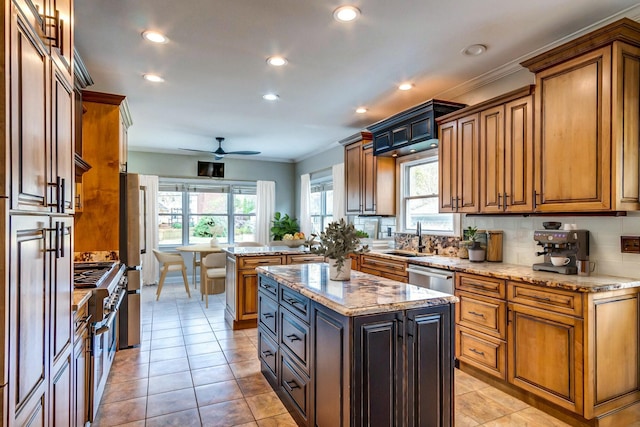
(192, 370)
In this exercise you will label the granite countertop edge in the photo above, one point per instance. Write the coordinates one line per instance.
(356, 280)
(520, 273)
(80, 298)
(249, 251)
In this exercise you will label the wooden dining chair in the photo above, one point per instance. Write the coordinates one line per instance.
(215, 275)
(196, 264)
(170, 262)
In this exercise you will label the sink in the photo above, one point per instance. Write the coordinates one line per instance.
(405, 254)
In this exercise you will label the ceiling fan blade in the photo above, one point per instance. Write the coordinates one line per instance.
(197, 151)
(245, 153)
(219, 156)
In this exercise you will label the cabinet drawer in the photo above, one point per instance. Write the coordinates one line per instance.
(296, 303)
(269, 286)
(245, 262)
(268, 310)
(481, 285)
(382, 264)
(304, 258)
(486, 315)
(403, 279)
(81, 320)
(296, 385)
(482, 351)
(268, 353)
(564, 302)
(294, 338)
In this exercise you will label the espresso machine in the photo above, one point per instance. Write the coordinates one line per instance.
(572, 244)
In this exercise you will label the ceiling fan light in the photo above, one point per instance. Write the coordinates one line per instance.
(270, 97)
(405, 86)
(277, 61)
(154, 37)
(154, 78)
(346, 13)
(361, 110)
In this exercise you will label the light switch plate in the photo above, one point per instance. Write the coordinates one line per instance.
(630, 244)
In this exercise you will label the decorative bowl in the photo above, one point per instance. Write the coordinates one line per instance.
(294, 243)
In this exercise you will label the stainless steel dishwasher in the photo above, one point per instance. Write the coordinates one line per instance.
(432, 278)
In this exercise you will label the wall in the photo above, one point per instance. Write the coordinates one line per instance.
(172, 165)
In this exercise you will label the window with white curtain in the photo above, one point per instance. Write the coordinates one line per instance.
(321, 209)
(193, 212)
(419, 197)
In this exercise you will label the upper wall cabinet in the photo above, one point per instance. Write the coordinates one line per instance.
(586, 113)
(369, 180)
(410, 131)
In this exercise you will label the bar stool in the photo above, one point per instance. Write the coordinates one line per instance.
(170, 262)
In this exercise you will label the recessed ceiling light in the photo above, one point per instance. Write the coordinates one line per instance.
(346, 13)
(154, 36)
(361, 110)
(394, 154)
(277, 61)
(474, 50)
(153, 78)
(270, 97)
(405, 86)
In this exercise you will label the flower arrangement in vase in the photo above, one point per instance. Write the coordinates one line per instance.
(337, 241)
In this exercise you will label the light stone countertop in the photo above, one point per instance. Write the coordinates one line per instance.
(265, 250)
(520, 273)
(363, 294)
(80, 298)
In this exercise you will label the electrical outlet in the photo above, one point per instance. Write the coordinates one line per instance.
(630, 244)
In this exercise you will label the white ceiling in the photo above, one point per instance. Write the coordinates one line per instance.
(215, 71)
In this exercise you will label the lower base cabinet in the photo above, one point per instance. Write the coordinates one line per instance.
(387, 369)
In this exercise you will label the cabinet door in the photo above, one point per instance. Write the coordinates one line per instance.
(62, 147)
(573, 134)
(29, 319)
(80, 381)
(429, 366)
(492, 160)
(230, 286)
(467, 185)
(247, 295)
(518, 180)
(61, 287)
(352, 178)
(447, 166)
(378, 370)
(545, 355)
(29, 118)
(369, 178)
(62, 33)
(61, 402)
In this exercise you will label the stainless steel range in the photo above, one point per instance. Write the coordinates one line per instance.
(109, 288)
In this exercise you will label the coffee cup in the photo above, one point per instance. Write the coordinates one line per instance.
(559, 261)
(569, 227)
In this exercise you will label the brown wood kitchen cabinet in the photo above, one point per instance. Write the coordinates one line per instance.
(369, 180)
(586, 114)
(458, 158)
(384, 267)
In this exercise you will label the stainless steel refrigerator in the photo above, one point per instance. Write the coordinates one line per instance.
(131, 246)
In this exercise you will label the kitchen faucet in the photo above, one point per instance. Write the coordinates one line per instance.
(419, 234)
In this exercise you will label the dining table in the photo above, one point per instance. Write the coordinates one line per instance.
(203, 249)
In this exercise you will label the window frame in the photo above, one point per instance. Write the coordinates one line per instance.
(403, 165)
(322, 186)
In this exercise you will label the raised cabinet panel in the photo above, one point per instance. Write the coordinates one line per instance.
(29, 119)
(369, 180)
(492, 160)
(468, 162)
(80, 382)
(518, 164)
(448, 166)
(545, 355)
(247, 295)
(29, 317)
(573, 134)
(429, 367)
(62, 141)
(378, 380)
(61, 403)
(625, 130)
(352, 178)
(61, 288)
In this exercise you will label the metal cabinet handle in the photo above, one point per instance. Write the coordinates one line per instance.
(267, 353)
(505, 197)
(292, 384)
(473, 350)
(293, 338)
(476, 314)
(268, 315)
(499, 195)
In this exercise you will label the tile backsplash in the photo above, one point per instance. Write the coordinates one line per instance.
(433, 245)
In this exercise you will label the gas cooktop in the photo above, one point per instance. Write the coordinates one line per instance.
(91, 274)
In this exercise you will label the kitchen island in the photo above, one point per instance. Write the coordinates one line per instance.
(369, 351)
(241, 281)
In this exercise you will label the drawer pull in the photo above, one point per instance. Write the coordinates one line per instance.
(542, 298)
(293, 301)
(473, 350)
(267, 287)
(293, 338)
(268, 315)
(292, 384)
(267, 353)
(476, 314)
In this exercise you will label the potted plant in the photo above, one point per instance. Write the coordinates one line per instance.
(337, 241)
(286, 231)
(476, 251)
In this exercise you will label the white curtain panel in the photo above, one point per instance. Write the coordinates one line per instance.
(265, 208)
(149, 222)
(306, 225)
(338, 192)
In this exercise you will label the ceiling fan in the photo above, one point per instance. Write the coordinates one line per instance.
(220, 153)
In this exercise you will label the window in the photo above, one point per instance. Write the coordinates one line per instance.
(321, 209)
(190, 213)
(419, 190)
